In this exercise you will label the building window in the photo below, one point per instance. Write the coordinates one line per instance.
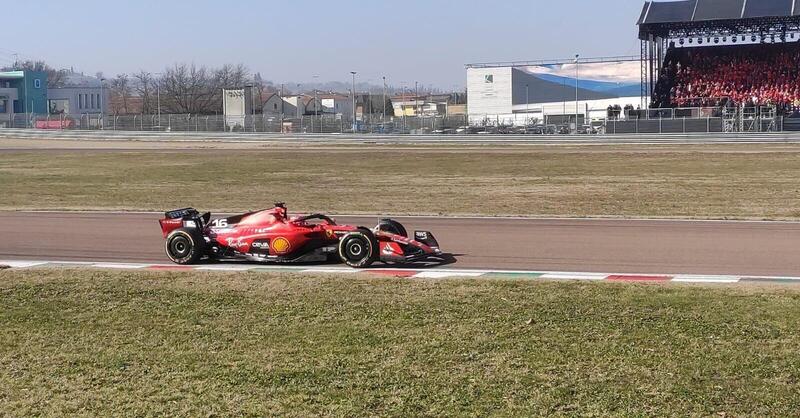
(91, 96)
(37, 83)
(3, 104)
(80, 101)
(99, 102)
(489, 79)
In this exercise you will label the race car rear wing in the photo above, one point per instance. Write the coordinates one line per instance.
(181, 213)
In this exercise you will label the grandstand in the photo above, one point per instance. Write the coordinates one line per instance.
(721, 53)
(704, 66)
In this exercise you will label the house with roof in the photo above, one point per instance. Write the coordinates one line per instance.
(22, 92)
(79, 95)
(336, 104)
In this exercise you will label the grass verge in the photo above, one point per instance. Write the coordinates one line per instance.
(719, 181)
(78, 342)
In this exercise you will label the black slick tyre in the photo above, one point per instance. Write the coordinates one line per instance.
(184, 246)
(358, 249)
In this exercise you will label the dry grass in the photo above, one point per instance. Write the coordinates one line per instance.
(75, 342)
(717, 181)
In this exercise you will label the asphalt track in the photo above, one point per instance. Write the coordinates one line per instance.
(616, 246)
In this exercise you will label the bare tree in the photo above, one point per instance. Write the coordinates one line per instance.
(145, 89)
(120, 92)
(195, 89)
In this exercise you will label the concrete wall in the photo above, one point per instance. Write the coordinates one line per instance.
(81, 99)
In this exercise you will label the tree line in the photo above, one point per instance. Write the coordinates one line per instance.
(182, 88)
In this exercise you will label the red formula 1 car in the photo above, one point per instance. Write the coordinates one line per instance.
(271, 236)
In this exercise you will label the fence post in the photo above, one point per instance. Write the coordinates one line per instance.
(708, 124)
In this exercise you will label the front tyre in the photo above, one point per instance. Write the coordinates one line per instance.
(358, 249)
(184, 247)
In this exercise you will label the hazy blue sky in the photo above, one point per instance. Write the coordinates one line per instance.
(292, 40)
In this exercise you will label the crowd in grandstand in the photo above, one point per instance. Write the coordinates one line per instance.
(750, 75)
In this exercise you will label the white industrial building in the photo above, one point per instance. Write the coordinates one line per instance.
(545, 92)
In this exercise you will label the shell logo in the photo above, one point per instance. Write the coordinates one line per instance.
(281, 245)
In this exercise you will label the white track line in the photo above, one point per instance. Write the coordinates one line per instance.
(121, 266)
(574, 276)
(417, 273)
(705, 279)
(444, 274)
(23, 264)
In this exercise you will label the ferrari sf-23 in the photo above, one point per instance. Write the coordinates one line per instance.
(270, 235)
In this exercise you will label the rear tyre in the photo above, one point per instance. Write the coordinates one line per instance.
(184, 246)
(393, 227)
(358, 249)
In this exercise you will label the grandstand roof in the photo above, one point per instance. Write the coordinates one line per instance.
(697, 11)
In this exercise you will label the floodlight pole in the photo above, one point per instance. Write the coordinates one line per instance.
(316, 109)
(527, 106)
(253, 104)
(416, 100)
(102, 96)
(577, 58)
(283, 115)
(158, 101)
(384, 100)
(354, 99)
(158, 98)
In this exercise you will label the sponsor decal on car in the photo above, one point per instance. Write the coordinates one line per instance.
(392, 248)
(281, 245)
(219, 223)
(236, 242)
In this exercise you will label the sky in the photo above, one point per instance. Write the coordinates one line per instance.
(427, 41)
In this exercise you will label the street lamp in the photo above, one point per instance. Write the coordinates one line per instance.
(527, 107)
(316, 104)
(158, 97)
(354, 99)
(384, 99)
(102, 96)
(252, 104)
(577, 58)
(416, 98)
(403, 106)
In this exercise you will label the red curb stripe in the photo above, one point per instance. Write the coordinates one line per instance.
(182, 268)
(395, 273)
(627, 278)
